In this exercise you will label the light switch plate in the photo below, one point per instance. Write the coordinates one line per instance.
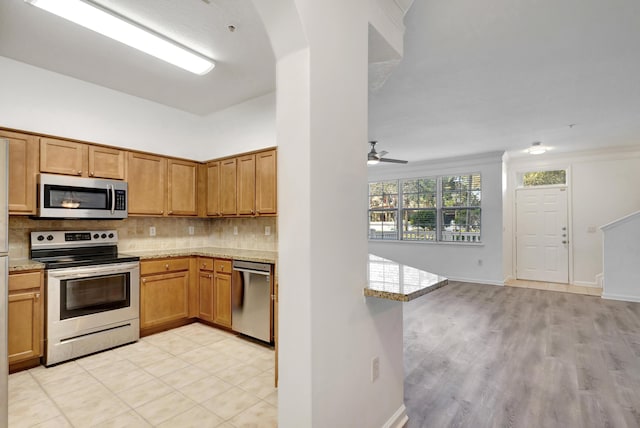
(152, 231)
(235, 230)
(192, 230)
(267, 230)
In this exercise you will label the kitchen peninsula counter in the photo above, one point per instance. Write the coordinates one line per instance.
(395, 281)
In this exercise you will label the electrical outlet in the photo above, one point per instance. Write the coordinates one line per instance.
(375, 369)
(235, 230)
(152, 231)
(267, 230)
(192, 230)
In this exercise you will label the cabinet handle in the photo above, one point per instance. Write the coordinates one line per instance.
(144, 279)
(37, 296)
(209, 276)
(161, 211)
(219, 213)
(170, 212)
(91, 173)
(79, 172)
(204, 265)
(166, 266)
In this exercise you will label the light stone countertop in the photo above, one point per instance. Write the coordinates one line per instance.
(24, 264)
(396, 281)
(219, 252)
(16, 264)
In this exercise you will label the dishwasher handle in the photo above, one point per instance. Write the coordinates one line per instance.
(257, 272)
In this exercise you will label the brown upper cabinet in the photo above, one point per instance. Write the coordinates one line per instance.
(83, 160)
(23, 169)
(247, 185)
(161, 186)
(183, 188)
(242, 186)
(213, 188)
(266, 183)
(146, 183)
(228, 187)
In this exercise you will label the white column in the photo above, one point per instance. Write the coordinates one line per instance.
(329, 332)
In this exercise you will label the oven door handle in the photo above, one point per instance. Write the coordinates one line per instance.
(92, 272)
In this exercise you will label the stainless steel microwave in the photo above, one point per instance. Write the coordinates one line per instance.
(61, 196)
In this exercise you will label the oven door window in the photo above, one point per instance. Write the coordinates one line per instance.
(76, 197)
(86, 296)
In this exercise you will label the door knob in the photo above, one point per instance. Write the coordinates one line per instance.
(565, 242)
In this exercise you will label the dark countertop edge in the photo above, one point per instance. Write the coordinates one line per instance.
(388, 295)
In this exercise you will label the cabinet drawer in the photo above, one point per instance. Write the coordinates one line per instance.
(205, 263)
(164, 265)
(24, 281)
(222, 265)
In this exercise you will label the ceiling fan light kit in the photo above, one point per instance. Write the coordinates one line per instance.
(536, 148)
(123, 30)
(374, 158)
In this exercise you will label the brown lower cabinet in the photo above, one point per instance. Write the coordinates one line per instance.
(164, 292)
(25, 318)
(214, 285)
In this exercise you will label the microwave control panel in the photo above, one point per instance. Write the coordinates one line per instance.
(121, 200)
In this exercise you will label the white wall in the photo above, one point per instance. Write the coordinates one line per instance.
(37, 100)
(603, 187)
(621, 255)
(328, 330)
(455, 261)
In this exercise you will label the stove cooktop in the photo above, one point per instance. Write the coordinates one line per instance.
(65, 249)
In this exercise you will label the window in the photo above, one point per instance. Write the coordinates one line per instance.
(445, 208)
(544, 178)
(383, 210)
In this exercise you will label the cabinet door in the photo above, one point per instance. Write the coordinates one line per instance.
(213, 189)
(106, 163)
(24, 326)
(247, 185)
(164, 298)
(146, 176)
(23, 168)
(63, 157)
(183, 186)
(205, 290)
(228, 186)
(222, 300)
(266, 182)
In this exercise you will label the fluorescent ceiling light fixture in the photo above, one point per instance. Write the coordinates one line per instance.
(109, 24)
(536, 148)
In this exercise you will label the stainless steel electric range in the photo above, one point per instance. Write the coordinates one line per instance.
(92, 293)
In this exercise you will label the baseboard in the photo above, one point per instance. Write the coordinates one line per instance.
(586, 284)
(476, 280)
(399, 419)
(622, 297)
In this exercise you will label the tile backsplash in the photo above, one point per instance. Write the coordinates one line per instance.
(133, 233)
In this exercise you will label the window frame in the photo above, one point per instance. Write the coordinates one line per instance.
(439, 211)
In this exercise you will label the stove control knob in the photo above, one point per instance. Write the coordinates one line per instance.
(49, 237)
(111, 235)
(96, 236)
(104, 235)
(40, 238)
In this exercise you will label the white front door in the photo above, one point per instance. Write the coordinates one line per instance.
(542, 250)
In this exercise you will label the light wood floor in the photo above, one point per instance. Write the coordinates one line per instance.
(488, 356)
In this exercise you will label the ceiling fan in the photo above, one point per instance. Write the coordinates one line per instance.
(374, 157)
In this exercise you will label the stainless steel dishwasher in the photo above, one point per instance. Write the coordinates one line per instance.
(251, 303)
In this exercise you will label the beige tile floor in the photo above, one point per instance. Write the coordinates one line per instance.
(192, 376)
(553, 286)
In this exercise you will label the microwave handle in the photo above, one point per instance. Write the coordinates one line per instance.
(113, 198)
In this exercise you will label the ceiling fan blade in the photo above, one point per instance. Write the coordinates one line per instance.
(393, 160)
(382, 153)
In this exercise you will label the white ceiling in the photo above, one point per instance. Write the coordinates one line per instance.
(245, 66)
(480, 76)
(477, 76)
